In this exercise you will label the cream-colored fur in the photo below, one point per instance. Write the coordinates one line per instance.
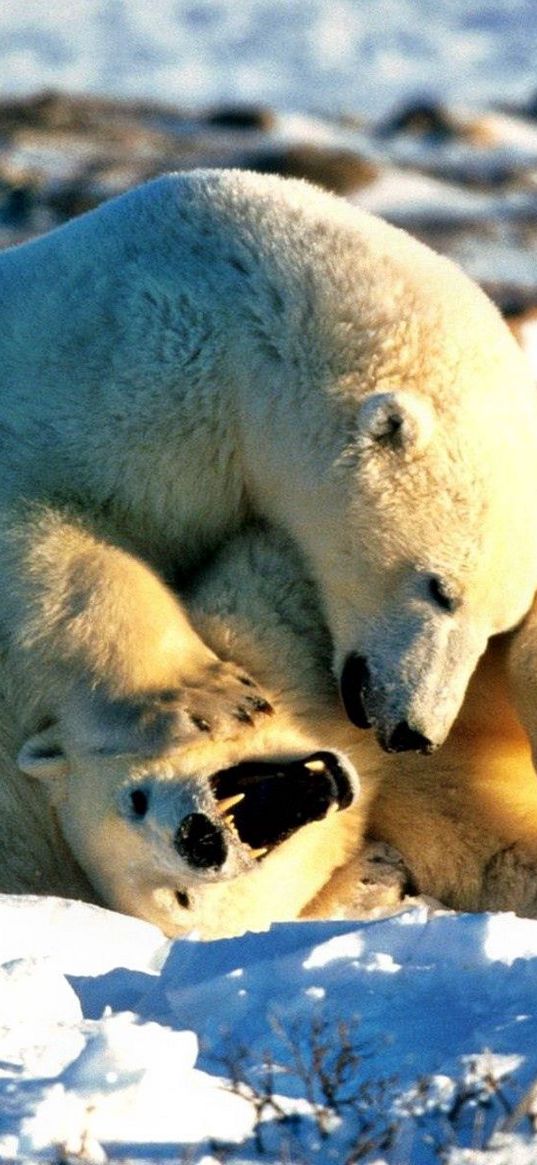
(254, 608)
(464, 820)
(218, 344)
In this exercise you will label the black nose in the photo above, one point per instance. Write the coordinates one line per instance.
(200, 842)
(406, 739)
(354, 688)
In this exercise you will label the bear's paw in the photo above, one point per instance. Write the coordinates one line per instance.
(220, 703)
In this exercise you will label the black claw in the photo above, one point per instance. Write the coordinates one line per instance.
(243, 715)
(259, 704)
(409, 886)
(200, 723)
(248, 683)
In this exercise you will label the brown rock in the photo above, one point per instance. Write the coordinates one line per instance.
(241, 118)
(340, 171)
(422, 119)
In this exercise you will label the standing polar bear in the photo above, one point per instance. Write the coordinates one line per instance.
(218, 345)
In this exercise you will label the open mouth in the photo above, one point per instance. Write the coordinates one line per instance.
(266, 802)
(261, 803)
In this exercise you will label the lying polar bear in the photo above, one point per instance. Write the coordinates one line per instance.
(267, 823)
(217, 345)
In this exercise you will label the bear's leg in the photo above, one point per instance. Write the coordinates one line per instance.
(510, 881)
(375, 881)
(94, 639)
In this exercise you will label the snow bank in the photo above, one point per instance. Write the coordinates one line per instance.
(114, 1042)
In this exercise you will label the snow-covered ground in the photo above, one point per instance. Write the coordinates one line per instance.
(330, 75)
(305, 54)
(415, 1036)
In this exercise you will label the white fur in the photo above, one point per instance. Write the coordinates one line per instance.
(202, 348)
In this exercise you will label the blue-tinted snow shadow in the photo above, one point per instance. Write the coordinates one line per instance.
(419, 992)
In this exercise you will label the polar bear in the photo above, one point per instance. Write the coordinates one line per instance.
(196, 834)
(229, 834)
(220, 345)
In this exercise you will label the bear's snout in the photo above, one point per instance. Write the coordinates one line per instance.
(404, 738)
(223, 825)
(363, 706)
(201, 842)
(174, 809)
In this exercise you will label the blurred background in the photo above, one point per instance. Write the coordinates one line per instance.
(421, 110)
(335, 56)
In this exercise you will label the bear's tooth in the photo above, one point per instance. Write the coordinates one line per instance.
(229, 802)
(257, 853)
(229, 820)
(315, 766)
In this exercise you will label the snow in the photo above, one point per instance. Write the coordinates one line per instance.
(331, 73)
(116, 1043)
(323, 54)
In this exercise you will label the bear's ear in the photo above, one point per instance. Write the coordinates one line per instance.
(402, 421)
(42, 755)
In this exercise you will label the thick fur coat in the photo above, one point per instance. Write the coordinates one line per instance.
(220, 344)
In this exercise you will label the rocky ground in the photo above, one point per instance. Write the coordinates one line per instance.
(466, 184)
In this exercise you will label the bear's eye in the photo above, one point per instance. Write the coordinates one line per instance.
(439, 594)
(139, 803)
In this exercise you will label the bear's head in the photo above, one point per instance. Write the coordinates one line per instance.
(441, 526)
(199, 839)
